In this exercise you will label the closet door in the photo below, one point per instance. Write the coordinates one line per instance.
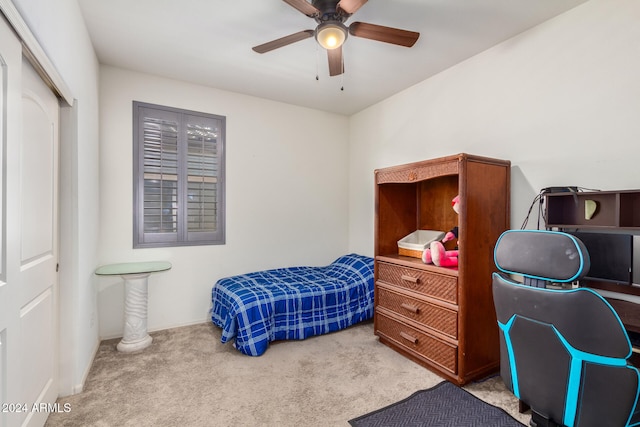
(29, 249)
(10, 58)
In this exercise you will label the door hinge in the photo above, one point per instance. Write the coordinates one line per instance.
(57, 267)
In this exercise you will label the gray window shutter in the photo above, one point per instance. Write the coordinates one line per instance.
(179, 177)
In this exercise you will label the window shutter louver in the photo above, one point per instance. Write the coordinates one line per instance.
(202, 178)
(160, 176)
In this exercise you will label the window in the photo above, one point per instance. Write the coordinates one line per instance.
(178, 172)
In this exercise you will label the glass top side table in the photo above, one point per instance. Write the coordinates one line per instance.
(135, 275)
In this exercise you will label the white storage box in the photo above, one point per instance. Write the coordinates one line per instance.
(415, 243)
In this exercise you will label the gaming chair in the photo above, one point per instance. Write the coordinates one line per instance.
(563, 352)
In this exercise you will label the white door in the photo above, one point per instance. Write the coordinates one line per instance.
(10, 56)
(28, 290)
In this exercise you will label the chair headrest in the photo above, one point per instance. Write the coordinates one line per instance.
(540, 254)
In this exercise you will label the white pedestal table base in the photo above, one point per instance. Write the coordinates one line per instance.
(135, 335)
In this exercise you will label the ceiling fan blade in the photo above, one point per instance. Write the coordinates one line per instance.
(283, 41)
(304, 6)
(336, 66)
(351, 6)
(384, 34)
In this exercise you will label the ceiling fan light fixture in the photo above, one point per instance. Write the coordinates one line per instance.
(331, 35)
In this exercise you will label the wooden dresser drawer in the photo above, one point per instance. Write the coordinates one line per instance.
(439, 318)
(426, 282)
(424, 345)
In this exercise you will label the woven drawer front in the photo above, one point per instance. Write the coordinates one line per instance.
(431, 315)
(428, 347)
(428, 283)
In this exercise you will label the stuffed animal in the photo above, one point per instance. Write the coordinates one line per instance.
(436, 253)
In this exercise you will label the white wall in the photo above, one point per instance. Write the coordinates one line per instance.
(287, 201)
(561, 101)
(60, 30)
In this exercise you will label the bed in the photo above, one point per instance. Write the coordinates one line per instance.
(292, 303)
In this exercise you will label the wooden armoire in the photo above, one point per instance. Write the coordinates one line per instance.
(442, 318)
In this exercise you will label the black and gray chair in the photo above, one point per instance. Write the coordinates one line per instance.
(563, 352)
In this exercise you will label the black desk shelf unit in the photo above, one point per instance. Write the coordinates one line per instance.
(616, 212)
(615, 209)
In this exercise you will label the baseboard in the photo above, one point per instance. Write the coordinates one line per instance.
(79, 387)
(181, 325)
(160, 328)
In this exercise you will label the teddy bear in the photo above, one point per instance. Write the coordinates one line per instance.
(436, 253)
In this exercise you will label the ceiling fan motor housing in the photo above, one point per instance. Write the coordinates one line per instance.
(329, 11)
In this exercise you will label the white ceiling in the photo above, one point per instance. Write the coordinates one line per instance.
(209, 42)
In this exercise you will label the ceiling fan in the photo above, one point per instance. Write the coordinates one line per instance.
(331, 31)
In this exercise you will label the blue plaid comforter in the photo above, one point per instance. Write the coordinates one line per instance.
(292, 303)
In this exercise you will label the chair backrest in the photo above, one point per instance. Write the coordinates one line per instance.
(563, 352)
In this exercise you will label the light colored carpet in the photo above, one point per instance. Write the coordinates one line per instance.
(188, 378)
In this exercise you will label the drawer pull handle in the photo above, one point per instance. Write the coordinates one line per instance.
(408, 278)
(409, 338)
(411, 308)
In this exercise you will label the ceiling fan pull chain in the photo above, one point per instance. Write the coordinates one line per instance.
(317, 61)
(342, 74)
